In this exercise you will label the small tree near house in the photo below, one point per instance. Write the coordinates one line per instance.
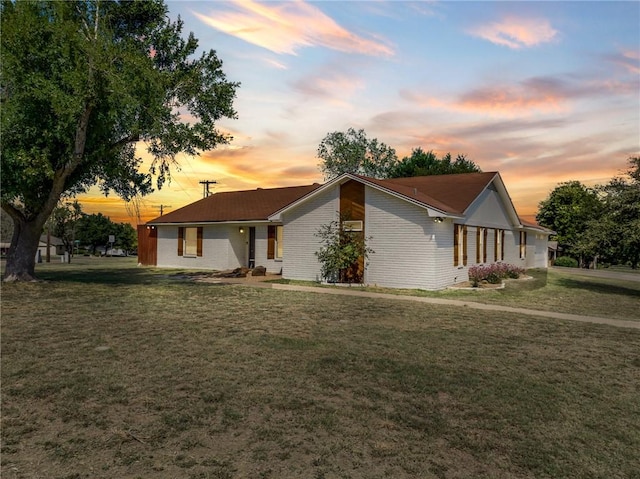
(343, 253)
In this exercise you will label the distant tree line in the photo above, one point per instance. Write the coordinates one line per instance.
(74, 227)
(598, 224)
(352, 152)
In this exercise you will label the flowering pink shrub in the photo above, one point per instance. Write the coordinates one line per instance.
(493, 273)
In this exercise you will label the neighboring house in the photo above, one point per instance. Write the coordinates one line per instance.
(56, 247)
(425, 231)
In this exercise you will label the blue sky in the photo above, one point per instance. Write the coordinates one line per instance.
(543, 92)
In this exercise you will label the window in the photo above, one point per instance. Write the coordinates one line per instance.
(523, 244)
(481, 245)
(275, 241)
(352, 225)
(190, 241)
(498, 245)
(279, 241)
(459, 245)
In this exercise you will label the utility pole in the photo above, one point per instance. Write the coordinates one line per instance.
(162, 207)
(205, 187)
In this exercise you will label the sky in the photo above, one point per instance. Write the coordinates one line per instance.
(542, 92)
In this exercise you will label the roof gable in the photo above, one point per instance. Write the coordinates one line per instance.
(248, 205)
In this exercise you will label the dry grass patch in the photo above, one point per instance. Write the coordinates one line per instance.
(151, 377)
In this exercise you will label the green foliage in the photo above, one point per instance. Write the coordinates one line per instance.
(6, 227)
(567, 211)
(566, 261)
(94, 230)
(340, 253)
(422, 163)
(63, 223)
(601, 222)
(353, 152)
(81, 84)
(614, 235)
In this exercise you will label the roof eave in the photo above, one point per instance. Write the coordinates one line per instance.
(205, 223)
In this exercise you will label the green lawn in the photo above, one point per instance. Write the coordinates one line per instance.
(113, 371)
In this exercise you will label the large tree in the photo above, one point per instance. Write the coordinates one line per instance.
(352, 152)
(422, 163)
(567, 210)
(614, 234)
(81, 84)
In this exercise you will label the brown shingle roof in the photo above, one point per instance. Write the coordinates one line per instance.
(449, 193)
(249, 205)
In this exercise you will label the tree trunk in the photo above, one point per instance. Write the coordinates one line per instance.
(21, 258)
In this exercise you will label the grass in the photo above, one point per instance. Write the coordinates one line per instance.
(112, 371)
(552, 290)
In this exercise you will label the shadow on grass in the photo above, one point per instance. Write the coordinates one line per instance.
(597, 287)
(110, 276)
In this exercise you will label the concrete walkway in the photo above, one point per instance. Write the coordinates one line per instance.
(449, 302)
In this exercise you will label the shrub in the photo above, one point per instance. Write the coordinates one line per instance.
(340, 252)
(493, 273)
(566, 262)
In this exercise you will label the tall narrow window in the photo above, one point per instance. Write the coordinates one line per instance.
(523, 244)
(498, 245)
(459, 245)
(481, 245)
(279, 241)
(275, 241)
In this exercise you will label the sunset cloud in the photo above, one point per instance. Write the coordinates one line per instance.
(516, 33)
(286, 27)
(532, 95)
(335, 86)
(541, 94)
(627, 59)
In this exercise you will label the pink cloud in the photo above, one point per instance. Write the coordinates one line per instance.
(627, 59)
(516, 33)
(285, 27)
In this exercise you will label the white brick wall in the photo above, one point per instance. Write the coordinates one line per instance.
(300, 242)
(223, 247)
(402, 236)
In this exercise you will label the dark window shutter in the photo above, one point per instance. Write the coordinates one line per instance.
(496, 239)
(484, 245)
(271, 242)
(478, 233)
(464, 245)
(456, 239)
(199, 245)
(180, 241)
(502, 245)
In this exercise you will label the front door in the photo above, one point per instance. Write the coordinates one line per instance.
(252, 247)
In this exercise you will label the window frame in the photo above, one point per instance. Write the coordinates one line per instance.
(183, 232)
(460, 257)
